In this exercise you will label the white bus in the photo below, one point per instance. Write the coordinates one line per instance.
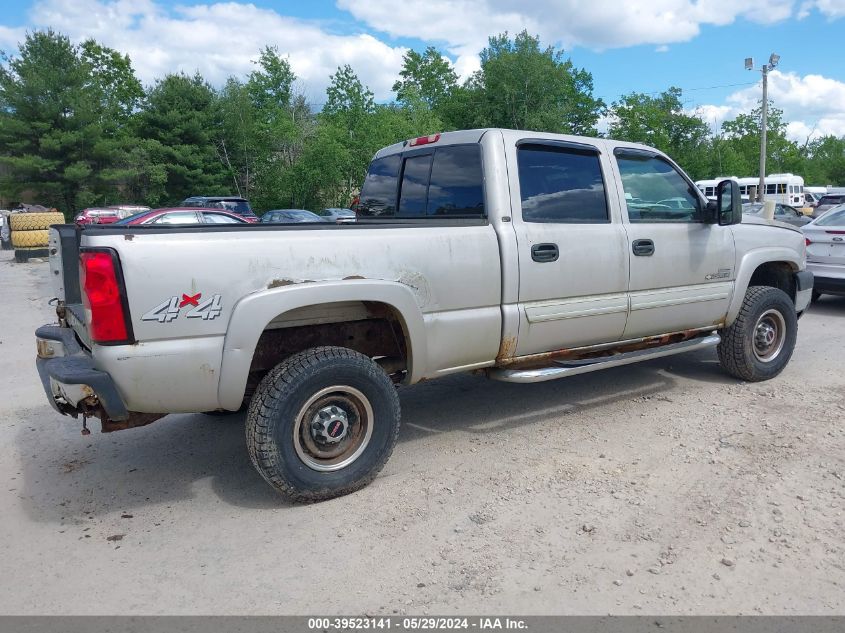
(783, 188)
(708, 187)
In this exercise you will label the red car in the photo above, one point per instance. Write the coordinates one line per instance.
(186, 215)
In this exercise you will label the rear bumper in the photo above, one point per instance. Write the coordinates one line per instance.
(69, 377)
(829, 278)
(830, 285)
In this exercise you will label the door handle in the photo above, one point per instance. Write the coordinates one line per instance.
(544, 253)
(643, 247)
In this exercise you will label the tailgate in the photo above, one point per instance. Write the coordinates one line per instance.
(64, 275)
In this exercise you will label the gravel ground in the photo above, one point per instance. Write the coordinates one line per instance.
(664, 487)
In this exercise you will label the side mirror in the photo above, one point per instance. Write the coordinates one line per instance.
(728, 203)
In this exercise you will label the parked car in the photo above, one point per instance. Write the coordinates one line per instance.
(827, 202)
(811, 200)
(98, 215)
(232, 204)
(783, 213)
(825, 239)
(334, 214)
(290, 216)
(507, 252)
(183, 215)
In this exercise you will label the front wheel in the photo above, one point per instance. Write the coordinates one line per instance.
(759, 343)
(322, 423)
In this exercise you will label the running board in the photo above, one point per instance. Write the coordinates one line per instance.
(563, 368)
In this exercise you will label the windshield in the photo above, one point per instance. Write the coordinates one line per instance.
(130, 218)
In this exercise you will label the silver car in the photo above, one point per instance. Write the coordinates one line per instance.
(827, 202)
(783, 213)
(825, 238)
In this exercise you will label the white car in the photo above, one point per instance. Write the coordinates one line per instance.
(825, 238)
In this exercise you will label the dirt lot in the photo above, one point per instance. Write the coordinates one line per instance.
(664, 487)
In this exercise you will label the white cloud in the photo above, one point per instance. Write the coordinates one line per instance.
(831, 8)
(220, 40)
(662, 49)
(10, 37)
(814, 105)
(465, 24)
(715, 115)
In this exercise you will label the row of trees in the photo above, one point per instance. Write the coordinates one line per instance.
(78, 129)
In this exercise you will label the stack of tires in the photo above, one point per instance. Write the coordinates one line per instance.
(29, 232)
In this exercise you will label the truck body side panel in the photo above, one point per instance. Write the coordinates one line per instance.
(184, 285)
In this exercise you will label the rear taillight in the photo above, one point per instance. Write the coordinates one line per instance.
(807, 241)
(99, 277)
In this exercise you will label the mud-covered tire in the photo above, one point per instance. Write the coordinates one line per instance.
(283, 414)
(30, 239)
(35, 221)
(759, 343)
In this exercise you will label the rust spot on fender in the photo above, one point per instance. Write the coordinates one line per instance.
(129, 237)
(507, 348)
(278, 283)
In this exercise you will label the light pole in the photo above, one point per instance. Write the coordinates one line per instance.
(774, 58)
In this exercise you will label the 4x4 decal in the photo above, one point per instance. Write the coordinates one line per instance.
(169, 310)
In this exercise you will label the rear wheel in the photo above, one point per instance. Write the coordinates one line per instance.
(322, 423)
(759, 343)
(815, 296)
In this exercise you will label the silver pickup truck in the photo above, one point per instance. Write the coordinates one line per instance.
(523, 255)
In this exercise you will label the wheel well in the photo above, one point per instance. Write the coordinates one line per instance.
(372, 328)
(777, 275)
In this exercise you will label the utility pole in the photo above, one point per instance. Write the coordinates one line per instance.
(749, 65)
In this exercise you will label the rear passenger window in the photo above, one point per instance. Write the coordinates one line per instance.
(442, 182)
(561, 185)
(378, 195)
(455, 188)
(412, 198)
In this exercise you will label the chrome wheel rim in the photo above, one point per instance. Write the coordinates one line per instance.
(769, 336)
(333, 428)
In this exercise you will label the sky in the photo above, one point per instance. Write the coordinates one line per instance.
(627, 45)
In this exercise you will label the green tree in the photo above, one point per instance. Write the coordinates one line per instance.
(523, 86)
(178, 128)
(825, 162)
(348, 131)
(740, 140)
(660, 121)
(427, 77)
(282, 119)
(63, 116)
